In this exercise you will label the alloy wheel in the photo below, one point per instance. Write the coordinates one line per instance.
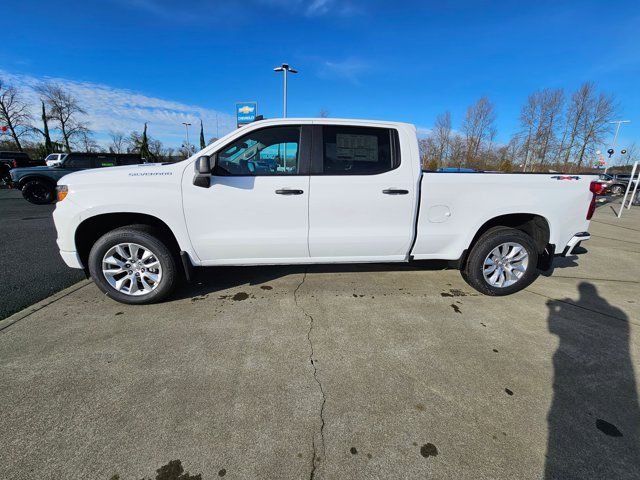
(132, 269)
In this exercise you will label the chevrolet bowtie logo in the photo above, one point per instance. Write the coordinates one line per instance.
(246, 109)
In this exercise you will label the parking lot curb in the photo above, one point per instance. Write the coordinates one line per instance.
(22, 314)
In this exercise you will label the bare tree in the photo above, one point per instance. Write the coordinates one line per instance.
(442, 136)
(595, 125)
(14, 113)
(87, 143)
(550, 114)
(428, 153)
(575, 117)
(478, 126)
(118, 142)
(539, 120)
(457, 150)
(65, 111)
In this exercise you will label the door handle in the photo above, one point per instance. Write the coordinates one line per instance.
(289, 191)
(395, 191)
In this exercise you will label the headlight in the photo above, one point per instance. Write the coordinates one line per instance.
(62, 191)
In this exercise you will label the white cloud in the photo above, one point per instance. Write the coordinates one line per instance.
(123, 110)
(349, 69)
(173, 10)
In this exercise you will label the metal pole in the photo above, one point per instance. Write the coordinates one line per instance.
(187, 146)
(635, 188)
(285, 98)
(624, 199)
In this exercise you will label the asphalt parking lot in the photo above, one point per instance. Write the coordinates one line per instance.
(355, 372)
(31, 266)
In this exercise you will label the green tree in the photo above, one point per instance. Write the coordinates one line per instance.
(144, 145)
(202, 142)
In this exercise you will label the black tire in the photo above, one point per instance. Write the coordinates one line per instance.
(39, 192)
(472, 271)
(148, 238)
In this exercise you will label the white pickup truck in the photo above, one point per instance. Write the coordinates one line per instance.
(304, 191)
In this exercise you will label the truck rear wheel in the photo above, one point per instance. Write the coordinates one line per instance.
(503, 261)
(133, 265)
(39, 192)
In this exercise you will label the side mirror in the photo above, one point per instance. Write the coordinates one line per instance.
(203, 168)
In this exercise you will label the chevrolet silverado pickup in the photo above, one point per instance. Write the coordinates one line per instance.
(306, 191)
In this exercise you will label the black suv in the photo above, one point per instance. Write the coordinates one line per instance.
(11, 160)
(38, 184)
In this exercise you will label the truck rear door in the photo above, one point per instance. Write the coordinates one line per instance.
(362, 195)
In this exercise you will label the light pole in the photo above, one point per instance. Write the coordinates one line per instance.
(285, 67)
(615, 137)
(186, 126)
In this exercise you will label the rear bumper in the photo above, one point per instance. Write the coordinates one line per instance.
(575, 240)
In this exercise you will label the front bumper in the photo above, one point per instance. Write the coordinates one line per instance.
(575, 240)
(72, 259)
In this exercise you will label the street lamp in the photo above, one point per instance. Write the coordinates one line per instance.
(186, 126)
(615, 137)
(285, 67)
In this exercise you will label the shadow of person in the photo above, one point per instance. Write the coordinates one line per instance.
(594, 419)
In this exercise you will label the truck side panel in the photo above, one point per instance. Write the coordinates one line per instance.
(454, 206)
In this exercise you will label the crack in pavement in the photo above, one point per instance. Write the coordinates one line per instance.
(314, 460)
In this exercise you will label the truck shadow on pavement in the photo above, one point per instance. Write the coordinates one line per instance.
(213, 279)
(594, 419)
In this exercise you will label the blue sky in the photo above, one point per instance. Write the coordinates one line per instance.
(170, 61)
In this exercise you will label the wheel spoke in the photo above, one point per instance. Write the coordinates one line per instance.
(133, 251)
(119, 284)
(114, 261)
(151, 276)
(120, 251)
(133, 288)
(514, 251)
(152, 264)
(113, 271)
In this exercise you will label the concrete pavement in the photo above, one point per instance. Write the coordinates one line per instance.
(336, 372)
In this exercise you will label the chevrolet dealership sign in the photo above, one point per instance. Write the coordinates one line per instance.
(246, 112)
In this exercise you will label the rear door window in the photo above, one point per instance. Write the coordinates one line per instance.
(357, 150)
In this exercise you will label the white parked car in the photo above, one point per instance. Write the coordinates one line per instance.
(55, 159)
(304, 191)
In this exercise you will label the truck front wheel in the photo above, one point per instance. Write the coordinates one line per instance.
(133, 265)
(503, 261)
(39, 192)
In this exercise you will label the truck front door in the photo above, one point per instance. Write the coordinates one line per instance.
(256, 208)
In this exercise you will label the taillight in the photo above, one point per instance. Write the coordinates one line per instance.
(14, 164)
(595, 188)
